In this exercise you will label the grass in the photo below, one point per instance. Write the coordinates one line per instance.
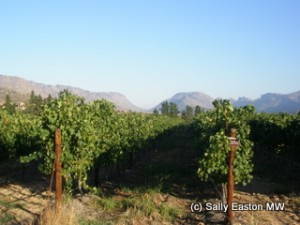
(169, 213)
(66, 217)
(140, 203)
(10, 205)
(108, 203)
(6, 217)
(94, 222)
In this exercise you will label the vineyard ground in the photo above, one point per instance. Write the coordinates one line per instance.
(159, 189)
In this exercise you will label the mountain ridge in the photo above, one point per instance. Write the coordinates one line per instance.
(273, 102)
(269, 102)
(24, 86)
(193, 99)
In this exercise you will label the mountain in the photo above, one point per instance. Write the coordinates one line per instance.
(269, 102)
(273, 102)
(19, 90)
(193, 99)
(16, 86)
(14, 95)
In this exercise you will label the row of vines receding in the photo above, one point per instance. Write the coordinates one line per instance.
(93, 134)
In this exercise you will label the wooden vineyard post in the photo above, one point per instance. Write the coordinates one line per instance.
(58, 176)
(230, 183)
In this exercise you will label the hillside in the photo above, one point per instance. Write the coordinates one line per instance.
(19, 90)
(193, 99)
(15, 96)
(21, 87)
(273, 102)
(270, 102)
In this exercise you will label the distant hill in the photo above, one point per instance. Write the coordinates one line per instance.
(19, 90)
(193, 99)
(17, 86)
(14, 95)
(270, 102)
(273, 102)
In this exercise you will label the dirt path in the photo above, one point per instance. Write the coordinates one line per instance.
(21, 203)
(289, 214)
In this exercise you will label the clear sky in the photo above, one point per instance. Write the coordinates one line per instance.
(149, 50)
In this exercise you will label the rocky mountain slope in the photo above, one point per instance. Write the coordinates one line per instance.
(273, 102)
(270, 102)
(193, 99)
(19, 90)
(20, 86)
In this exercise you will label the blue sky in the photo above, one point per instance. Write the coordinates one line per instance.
(149, 50)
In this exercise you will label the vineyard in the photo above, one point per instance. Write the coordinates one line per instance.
(181, 157)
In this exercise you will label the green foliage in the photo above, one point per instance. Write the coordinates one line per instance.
(162, 123)
(155, 112)
(34, 104)
(5, 217)
(7, 135)
(165, 109)
(173, 110)
(85, 135)
(145, 202)
(187, 114)
(9, 106)
(29, 136)
(19, 135)
(198, 110)
(277, 133)
(92, 133)
(169, 109)
(10, 205)
(213, 128)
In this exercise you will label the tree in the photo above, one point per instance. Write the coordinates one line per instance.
(49, 99)
(169, 109)
(35, 104)
(9, 106)
(155, 112)
(165, 108)
(183, 114)
(198, 110)
(173, 110)
(187, 114)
